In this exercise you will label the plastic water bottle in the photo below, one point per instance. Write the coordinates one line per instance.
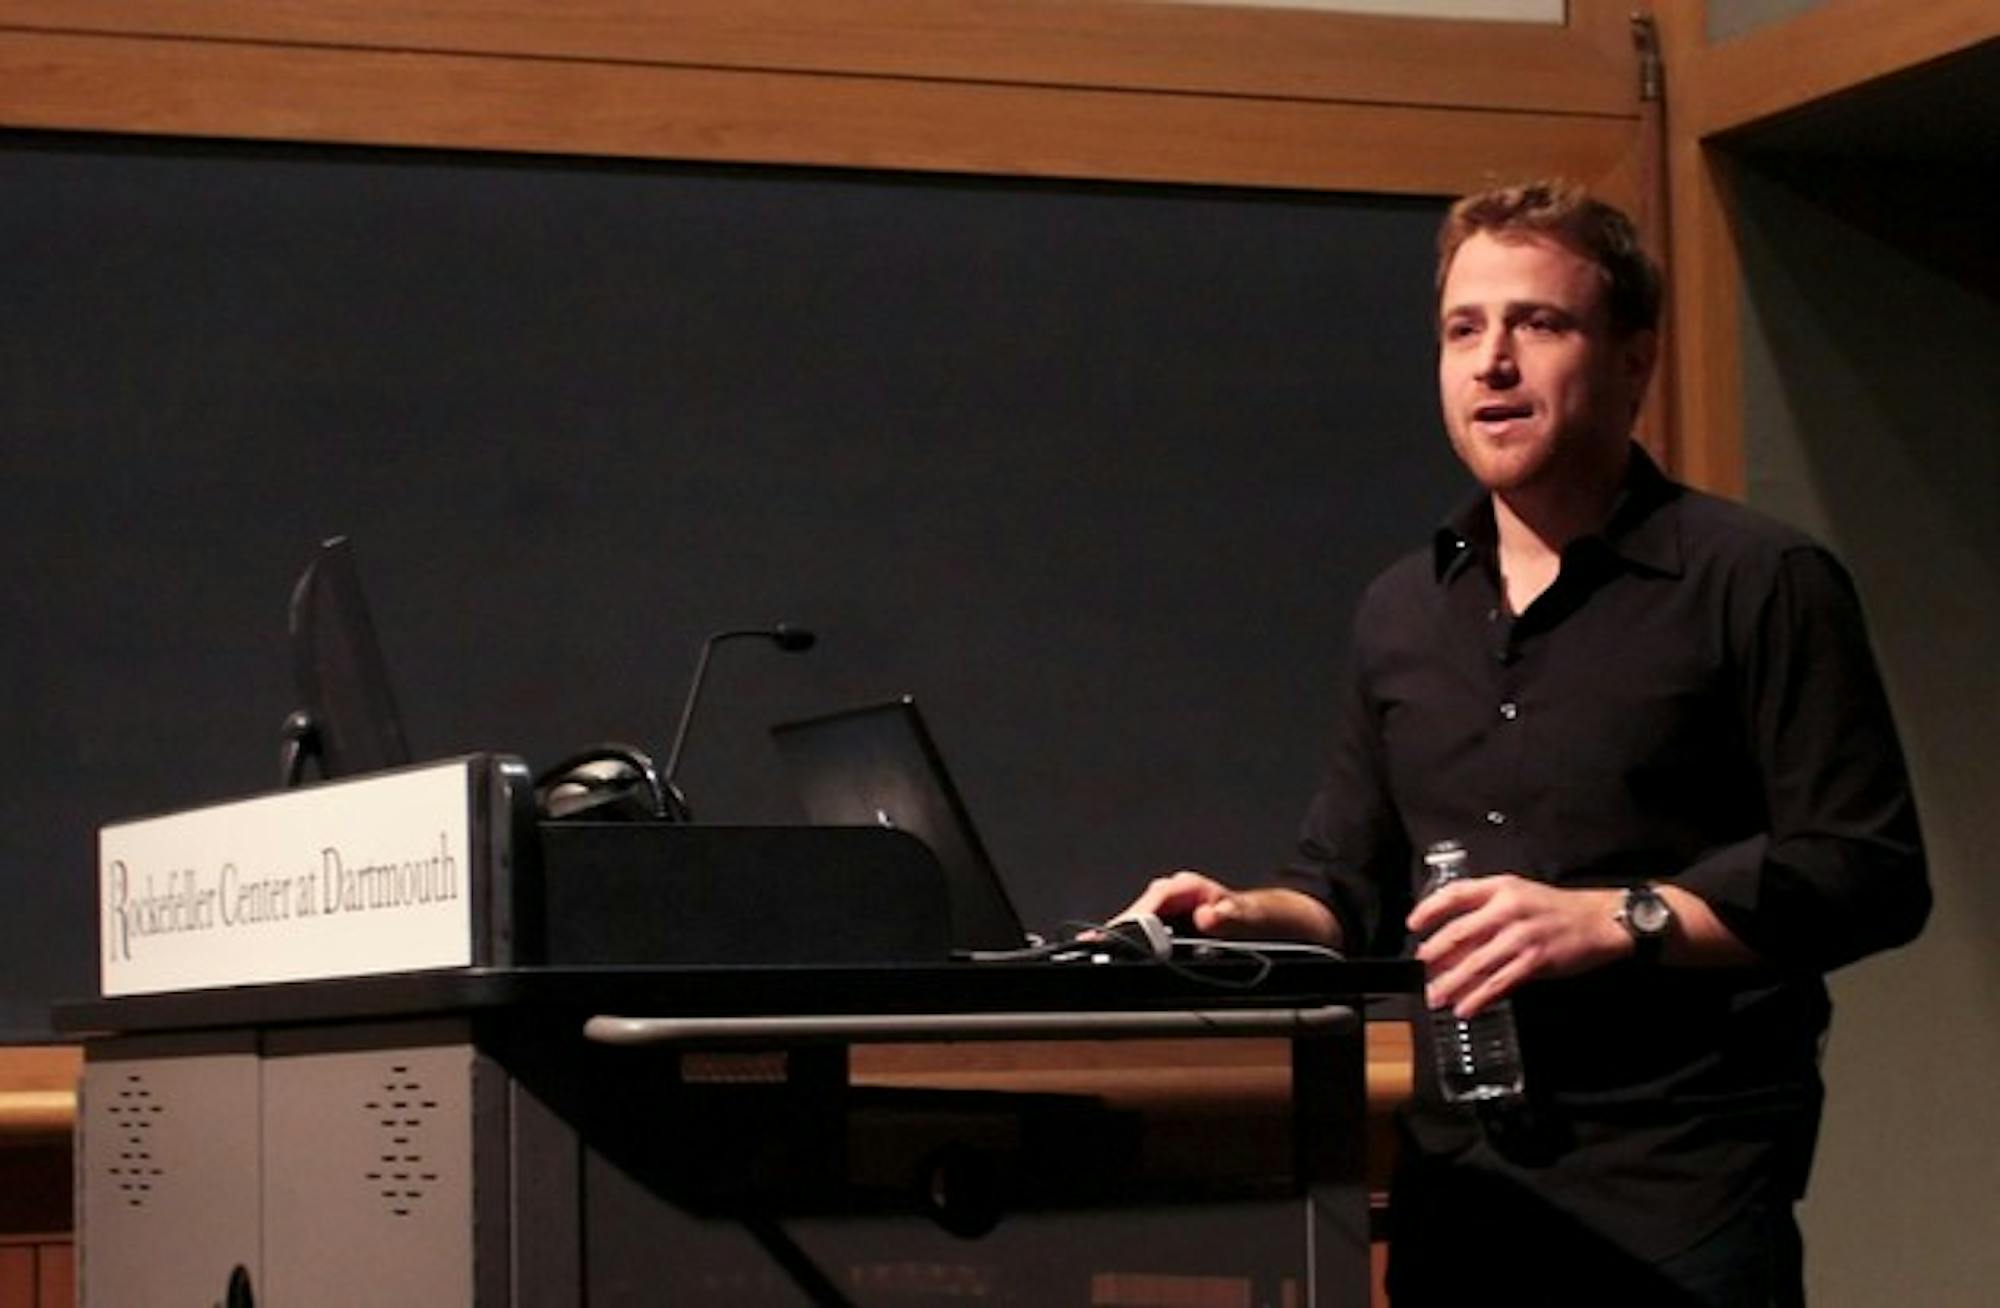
(1478, 1058)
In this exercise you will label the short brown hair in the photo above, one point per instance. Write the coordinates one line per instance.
(1567, 214)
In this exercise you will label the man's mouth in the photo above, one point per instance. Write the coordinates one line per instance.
(1502, 413)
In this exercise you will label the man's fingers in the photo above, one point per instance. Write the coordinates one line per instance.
(1481, 977)
(1450, 902)
(1178, 894)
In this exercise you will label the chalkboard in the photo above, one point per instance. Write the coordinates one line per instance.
(1096, 472)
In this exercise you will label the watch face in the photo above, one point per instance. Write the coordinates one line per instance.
(1647, 912)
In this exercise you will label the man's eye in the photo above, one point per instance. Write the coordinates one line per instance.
(1543, 324)
(1458, 331)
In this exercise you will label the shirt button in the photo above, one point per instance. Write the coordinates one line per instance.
(1495, 818)
(1510, 710)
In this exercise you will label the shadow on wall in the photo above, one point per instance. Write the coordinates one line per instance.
(1872, 404)
(1881, 436)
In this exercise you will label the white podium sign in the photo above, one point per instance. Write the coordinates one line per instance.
(351, 878)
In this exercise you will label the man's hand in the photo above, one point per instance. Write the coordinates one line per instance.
(1273, 913)
(1486, 935)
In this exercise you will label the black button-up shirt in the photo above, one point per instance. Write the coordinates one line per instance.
(1692, 701)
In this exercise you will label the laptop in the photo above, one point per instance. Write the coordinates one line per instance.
(878, 766)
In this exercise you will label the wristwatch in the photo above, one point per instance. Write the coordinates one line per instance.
(1649, 919)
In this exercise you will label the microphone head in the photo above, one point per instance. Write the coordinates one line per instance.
(792, 639)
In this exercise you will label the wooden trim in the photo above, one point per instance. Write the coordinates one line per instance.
(1106, 44)
(1089, 88)
(38, 1092)
(37, 1272)
(1645, 199)
(39, 1067)
(1706, 289)
(204, 88)
(1133, 1071)
(1701, 368)
(1767, 71)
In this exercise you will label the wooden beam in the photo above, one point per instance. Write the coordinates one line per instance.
(1105, 44)
(1833, 47)
(198, 87)
(1702, 368)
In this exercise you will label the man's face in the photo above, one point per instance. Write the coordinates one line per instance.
(1537, 390)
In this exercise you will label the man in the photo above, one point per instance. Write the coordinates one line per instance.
(1653, 718)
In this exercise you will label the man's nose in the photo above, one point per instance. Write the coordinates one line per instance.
(1496, 360)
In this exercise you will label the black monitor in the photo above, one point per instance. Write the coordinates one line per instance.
(347, 718)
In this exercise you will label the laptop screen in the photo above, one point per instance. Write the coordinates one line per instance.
(878, 766)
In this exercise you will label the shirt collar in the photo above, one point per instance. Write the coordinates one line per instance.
(1643, 529)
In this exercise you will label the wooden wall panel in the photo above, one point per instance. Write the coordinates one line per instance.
(38, 1273)
(1087, 89)
(1700, 364)
(1101, 43)
(55, 1274)
(17, 1274)
(202, 88)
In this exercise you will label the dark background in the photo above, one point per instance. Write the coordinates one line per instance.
(1095, 472)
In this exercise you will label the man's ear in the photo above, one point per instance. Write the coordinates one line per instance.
(1638, 355)
(1642, 351)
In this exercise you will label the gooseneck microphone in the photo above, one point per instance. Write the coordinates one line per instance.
(785, 636)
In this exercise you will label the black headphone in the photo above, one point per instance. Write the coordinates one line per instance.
(607, 782)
